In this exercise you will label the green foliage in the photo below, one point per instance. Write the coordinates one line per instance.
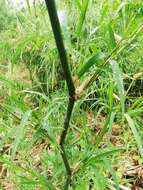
(104, 41)
(96, 59)
(81, 20)
(119, 82)
(135, 132)
(6, 20)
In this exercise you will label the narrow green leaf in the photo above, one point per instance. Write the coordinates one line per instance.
(110, 125)
(112, 172)
(107, 126)
(135, 133)
(82, 17)
(100, 179)
(27, 181)
(78, 4)
(19, 132)
(102, 133)
(104, 11)
(98, 57)
(110, 94)
(104, 153)
(117, 74)
(112, 42)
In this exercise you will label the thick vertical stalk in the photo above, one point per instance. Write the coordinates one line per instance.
(60, 45)
(71, 88)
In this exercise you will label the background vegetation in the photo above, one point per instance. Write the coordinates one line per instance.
(104, 43)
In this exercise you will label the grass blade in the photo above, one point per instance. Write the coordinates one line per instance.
(19, 132)
(78, 4)
(107, 127)
(82, 17)
(103, 154)
(135, 133)
(98, 57)
(112, 38)
(112, 172)
(117, 74)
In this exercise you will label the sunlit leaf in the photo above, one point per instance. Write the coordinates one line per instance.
(82, 16)
(118, 77)
(19, 132)
(135, 133)
(94, 60)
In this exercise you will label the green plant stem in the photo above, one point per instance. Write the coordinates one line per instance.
(71, 88)
(62, 141)
(60, 45)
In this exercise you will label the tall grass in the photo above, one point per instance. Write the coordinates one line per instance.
(46, 144)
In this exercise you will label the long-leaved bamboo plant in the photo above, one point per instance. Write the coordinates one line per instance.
(74, 91)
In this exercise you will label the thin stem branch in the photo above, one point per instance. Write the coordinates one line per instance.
(62, 141)
(116, 51)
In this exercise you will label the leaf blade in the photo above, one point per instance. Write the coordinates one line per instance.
(92, 61)
(20, 130)
(135, 133)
